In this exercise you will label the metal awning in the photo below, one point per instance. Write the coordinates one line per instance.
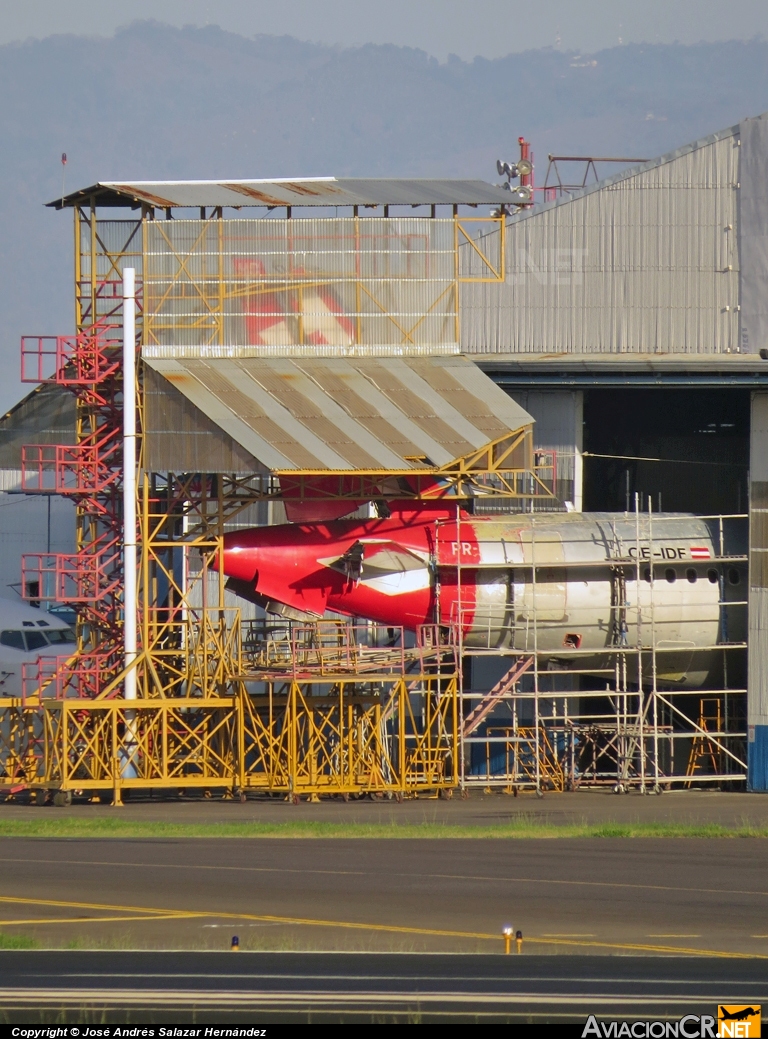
(317, 191)
(318, 414)
(569, 371)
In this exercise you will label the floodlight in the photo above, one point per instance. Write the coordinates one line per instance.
(506, 169)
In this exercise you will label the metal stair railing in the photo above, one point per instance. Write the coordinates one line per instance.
(481, 711)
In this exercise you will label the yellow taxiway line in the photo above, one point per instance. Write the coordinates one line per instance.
(89, 905)
(140, 913)
(91, 919)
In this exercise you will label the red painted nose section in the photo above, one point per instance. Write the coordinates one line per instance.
(378, 569)
(280, 564)
(240, 562)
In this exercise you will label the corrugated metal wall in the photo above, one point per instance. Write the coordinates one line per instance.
(30, 523)
(555, 413)
(757, 700)
(558, 415)
(646, 263)
(753, 234)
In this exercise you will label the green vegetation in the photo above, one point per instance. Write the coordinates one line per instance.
(18, 941)
(75, 825)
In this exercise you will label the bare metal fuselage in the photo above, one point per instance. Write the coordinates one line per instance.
(586, 606)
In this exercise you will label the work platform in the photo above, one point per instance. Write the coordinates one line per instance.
(293, 710)
(311, 364)
(309, 361)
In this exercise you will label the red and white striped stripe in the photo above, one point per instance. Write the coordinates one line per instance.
(699, 552)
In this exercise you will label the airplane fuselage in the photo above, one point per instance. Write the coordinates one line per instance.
(561, 584)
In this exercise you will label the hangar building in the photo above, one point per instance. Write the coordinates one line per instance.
(286, 327)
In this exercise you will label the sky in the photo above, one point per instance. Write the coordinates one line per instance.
(467, 28)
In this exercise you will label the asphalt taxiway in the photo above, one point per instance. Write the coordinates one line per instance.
(260, 988)
(693, 897)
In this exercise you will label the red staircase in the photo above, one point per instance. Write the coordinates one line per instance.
(86, 469)
(89, 473)
(82, 360)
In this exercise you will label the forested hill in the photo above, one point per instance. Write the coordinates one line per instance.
(157, 102)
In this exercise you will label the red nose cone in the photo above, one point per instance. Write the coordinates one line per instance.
(240, 560)
(375, 569)
(281, 564)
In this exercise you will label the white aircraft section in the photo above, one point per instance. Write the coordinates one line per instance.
(586, 596)
(27, 634)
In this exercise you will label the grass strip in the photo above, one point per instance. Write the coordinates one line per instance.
(102, 827)
(18, 941)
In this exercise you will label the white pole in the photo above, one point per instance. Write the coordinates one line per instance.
(129, 475)
(578, 455)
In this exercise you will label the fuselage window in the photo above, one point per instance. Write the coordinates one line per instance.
(734, 577)
(712, 576)
(35, 640)
(690, 573)
(647, 574)
(670, 575)
(56, 635)
(12, 639)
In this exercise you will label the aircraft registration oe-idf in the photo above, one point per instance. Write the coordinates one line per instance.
(422, 566)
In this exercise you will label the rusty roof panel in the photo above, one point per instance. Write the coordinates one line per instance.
(259, 197)
(142, 195)
(318, 191)
(346, 414)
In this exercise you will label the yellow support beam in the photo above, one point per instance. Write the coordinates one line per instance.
(287, 738)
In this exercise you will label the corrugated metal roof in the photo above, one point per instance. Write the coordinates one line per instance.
(44, 416)
(347, 414)
(318, 191)
(631, 172)
(645, 262)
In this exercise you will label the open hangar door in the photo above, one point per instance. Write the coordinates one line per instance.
(684, 449)
(701, 437)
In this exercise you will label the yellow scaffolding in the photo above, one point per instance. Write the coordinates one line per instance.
(322, 709)
(295, 737)
(333, 710)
